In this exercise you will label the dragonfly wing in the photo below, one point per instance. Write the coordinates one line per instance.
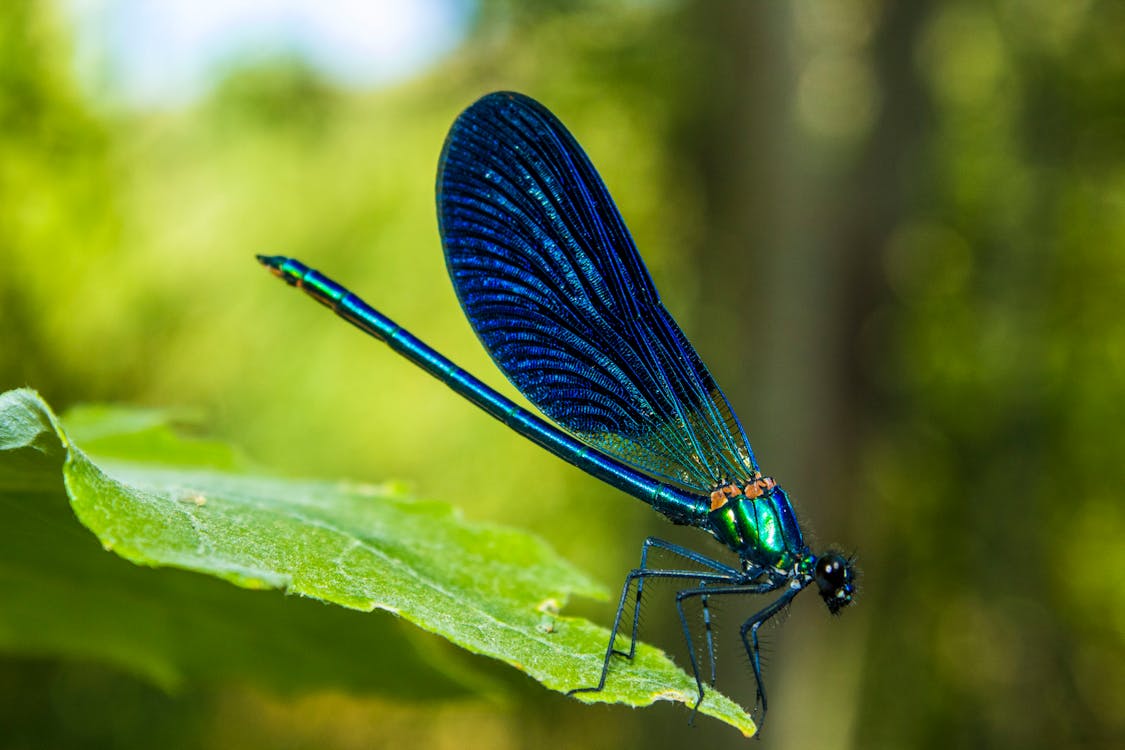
(555, 289)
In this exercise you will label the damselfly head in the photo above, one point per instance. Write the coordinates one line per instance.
(835, 577)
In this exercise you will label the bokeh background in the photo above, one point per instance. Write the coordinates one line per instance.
(895, 232)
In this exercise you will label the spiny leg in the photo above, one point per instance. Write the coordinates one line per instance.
(751, 626)
(684, 553)
(708, 633)
(691, 654)
(610, 650)
(639, 574)
(736, 576)
(704, 592)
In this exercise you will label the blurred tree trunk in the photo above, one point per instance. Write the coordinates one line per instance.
(755, 322)
(790, 257)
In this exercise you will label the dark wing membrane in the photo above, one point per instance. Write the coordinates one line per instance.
(555, 289)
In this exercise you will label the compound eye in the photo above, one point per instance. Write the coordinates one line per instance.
(833, 575)
(831, 572)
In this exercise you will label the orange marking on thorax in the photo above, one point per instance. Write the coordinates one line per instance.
(719, 497)
(759, 486)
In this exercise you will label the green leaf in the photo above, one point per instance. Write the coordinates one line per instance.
(490, 590)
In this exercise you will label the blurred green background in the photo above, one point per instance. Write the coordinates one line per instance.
(895, 232)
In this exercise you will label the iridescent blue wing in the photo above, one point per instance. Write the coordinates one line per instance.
(554, 287)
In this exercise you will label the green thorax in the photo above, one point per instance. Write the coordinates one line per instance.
(761, 530)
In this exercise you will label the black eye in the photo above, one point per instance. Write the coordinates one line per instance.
(831, 571)
(833, 576)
